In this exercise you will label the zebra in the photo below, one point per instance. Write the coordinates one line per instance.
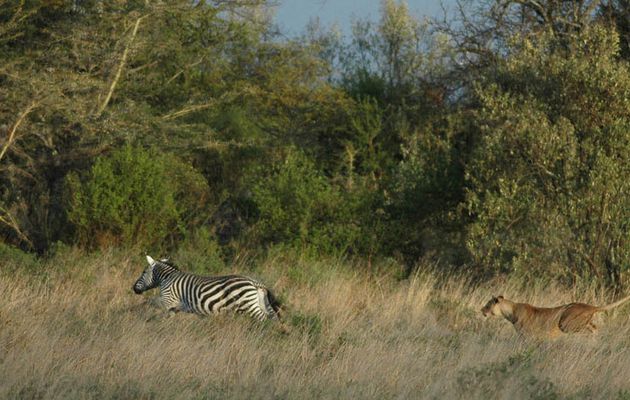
(205, 295)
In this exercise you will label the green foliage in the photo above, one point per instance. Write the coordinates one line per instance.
(392, 69)
(389, 59)
(200, 253)
(89, 76)
(134, 197)
(363, 151)
(297, 205)
(548, 180)
(424, 190)
(16, 257)
(617, 14)
(497, 141)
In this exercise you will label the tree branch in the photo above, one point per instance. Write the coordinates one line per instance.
(181, 71)
(188, 110)
(121, 65)
(12, 223)
(15, 127)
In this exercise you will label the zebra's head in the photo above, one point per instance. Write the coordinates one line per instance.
(147, 279)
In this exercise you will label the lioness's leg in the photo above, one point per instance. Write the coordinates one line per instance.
(576, 318)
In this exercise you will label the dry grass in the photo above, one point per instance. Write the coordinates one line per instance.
(78, 331)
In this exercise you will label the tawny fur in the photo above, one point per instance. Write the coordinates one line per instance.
(542, 322)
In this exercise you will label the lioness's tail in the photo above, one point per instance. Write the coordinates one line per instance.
(615, 304)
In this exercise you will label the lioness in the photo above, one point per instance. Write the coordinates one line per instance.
(547, 322)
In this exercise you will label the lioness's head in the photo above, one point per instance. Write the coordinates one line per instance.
(492, 306)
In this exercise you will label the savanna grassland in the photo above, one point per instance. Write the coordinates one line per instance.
(72, 328)
(384, 179)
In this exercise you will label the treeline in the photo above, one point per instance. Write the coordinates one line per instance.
(497, 141)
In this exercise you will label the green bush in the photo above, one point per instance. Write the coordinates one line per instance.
(423, 192)
(548, 181)
(14, 258)
(200, 253)
(134, 197)
(297, 205)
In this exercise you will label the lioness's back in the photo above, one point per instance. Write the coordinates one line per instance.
(538, 321)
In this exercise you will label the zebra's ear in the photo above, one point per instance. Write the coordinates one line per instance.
(150, 260)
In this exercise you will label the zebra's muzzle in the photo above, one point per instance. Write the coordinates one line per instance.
(137, 290)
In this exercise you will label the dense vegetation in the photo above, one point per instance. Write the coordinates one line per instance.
(496, 142)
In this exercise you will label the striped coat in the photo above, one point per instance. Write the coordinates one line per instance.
(182, 291)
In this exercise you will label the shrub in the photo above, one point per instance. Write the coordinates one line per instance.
(13, 257)
(423, 194)
(298, 206)
(200, 253)
(134, 196)
(548, 183)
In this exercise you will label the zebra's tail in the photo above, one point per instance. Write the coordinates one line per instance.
(271, 303)
(277, 313)
(274, 303)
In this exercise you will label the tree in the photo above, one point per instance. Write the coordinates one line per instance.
(481, 32)
(205, 80)
(547, 182)
(617, 14)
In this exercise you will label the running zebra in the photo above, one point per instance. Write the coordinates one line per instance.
(181, 291)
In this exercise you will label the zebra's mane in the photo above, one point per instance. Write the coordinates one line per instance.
(168, 262)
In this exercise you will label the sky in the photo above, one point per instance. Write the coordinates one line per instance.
(293, 15)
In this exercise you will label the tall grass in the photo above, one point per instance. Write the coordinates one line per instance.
(75, 330)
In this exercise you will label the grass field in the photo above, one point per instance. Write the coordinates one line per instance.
(74, 329)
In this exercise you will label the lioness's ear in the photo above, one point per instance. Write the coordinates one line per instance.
(150, 260)
(500, 297)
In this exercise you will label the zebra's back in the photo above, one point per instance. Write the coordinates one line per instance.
(212, 295)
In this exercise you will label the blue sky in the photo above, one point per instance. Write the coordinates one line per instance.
(293, 15)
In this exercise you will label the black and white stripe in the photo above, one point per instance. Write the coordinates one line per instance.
(181, 291)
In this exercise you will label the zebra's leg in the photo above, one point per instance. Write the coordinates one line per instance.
(155, 301)
(173, 310)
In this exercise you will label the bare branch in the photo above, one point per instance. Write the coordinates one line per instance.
(12, 223)
(14, 128)
(121, 65)
(181, 71)
(188, 110)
